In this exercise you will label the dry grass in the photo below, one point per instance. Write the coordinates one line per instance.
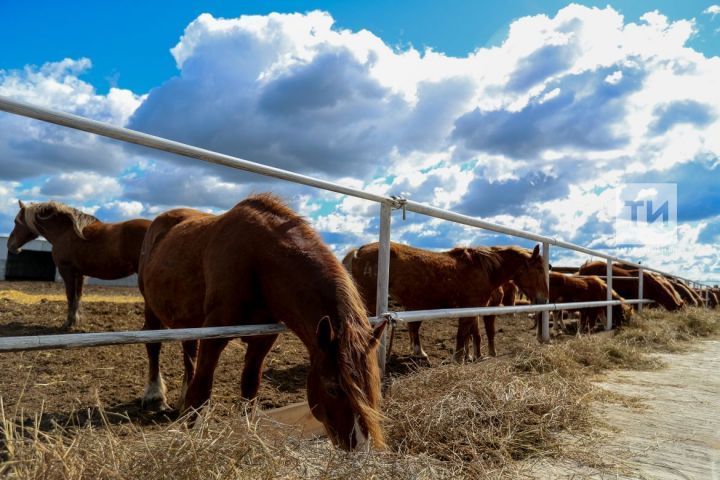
(33, 298)
(478, 420)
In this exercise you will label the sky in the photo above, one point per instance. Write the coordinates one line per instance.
(533, 115)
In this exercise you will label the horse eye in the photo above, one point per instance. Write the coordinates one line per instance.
(333, 390)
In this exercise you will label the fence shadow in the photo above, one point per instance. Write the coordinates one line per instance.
(22, 329)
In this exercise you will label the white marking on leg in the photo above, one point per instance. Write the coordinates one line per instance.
(155, 390)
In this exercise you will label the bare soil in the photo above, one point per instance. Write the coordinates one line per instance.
(66, 386)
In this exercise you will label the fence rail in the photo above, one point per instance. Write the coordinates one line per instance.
(83, 340)
(387, 203)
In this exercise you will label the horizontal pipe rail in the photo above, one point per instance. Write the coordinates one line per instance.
(439, 314)
(82, 340)
(131, 136)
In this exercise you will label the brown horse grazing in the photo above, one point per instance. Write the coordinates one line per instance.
(713, 298)
(81, 245)
(689, 297)
(567, 288)
(261, 263)
(653, 288)
(461, 277)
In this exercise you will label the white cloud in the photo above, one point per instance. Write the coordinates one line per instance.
(533, 132)
(712, 10)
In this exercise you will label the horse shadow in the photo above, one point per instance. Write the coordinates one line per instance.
(287, 380)
(21, 329)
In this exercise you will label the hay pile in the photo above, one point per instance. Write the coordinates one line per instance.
(471, 421)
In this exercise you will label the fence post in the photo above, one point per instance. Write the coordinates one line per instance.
(641, 279)
(545, 318)
(383, 276)
(608, 311)
(707, 296)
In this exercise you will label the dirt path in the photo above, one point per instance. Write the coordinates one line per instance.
(676, 437)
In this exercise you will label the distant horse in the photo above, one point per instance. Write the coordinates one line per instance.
(690, 298)
(567, 288)
(461, 277)
(81, 245)
(713, 298)
(506, 296)
(261, 263)
(469, 328)
(653, 287)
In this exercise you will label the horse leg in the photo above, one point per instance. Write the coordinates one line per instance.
(198, 392)
(155, 389)
(582, 323)
(464, 332)
(189, 358)
(476, 339)
(257, 349)
(69, 276)
(490, 332)
(414, 332)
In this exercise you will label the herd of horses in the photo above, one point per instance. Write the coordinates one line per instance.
(262, 263)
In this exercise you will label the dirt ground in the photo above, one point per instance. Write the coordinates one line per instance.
(65, 386)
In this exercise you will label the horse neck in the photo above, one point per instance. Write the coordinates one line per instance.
(510, 261)
(54, 227)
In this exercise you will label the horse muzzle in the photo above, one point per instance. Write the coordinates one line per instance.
(14, 250)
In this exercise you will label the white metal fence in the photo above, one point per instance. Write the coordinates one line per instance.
(387, 205)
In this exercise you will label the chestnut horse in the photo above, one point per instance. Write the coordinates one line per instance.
(81, 245)
(470, 329)
(461, 277)
(261, 263)
(690, 298)
(567, 288)
(653, 287)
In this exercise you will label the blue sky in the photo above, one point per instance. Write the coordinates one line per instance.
(128, 42)
(531, 114)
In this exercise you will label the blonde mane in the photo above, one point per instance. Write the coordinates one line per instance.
(37, 212)
(359, 375)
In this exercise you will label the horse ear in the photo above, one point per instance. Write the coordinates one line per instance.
(21, 204)
(325, 333)
(378, 332)
(536, 252)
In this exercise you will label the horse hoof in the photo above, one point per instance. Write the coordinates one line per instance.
(155, 405)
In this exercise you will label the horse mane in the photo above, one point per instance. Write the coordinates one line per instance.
(355, 341)
(43, 210)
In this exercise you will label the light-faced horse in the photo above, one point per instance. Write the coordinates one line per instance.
(81, 245)
(261, 263)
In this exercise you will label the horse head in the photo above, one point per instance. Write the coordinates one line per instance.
(343, 388)
(21, 233)
(530, 277)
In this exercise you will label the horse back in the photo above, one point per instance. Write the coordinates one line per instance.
(419, 279)
(170, 266)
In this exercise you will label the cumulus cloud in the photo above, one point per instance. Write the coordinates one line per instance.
(30, 148)
(532, 133)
